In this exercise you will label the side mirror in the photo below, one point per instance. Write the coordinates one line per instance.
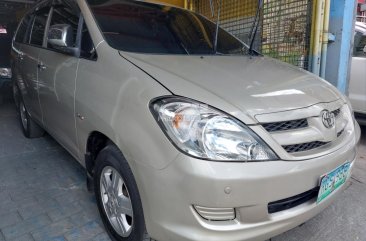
(61, 37)
(364, 50)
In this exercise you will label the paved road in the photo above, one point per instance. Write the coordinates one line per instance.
(43, 195)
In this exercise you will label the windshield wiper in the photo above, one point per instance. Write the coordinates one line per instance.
(253, 31)
(219, 3)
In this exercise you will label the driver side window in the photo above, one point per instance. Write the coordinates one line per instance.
(39, 26)
(68, 16)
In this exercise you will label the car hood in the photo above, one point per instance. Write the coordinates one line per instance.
(254, 85)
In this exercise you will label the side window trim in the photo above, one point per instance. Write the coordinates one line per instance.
(34, 13)
(17, 30)
(31, 29)
(26, 34)
(47, 27)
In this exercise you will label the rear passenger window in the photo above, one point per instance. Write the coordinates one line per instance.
(39, 26)
(65, 15)
(23, 30)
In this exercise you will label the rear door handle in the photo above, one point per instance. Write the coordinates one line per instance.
(41, 66)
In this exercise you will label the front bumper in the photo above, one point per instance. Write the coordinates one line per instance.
(168, 196)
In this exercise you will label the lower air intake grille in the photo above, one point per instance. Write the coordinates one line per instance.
(292, 202)
(304, 146)
(285, 125)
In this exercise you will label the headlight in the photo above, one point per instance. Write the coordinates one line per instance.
(204, 132)
(5, 72)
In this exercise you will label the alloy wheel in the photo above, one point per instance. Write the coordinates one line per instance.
(116, 201)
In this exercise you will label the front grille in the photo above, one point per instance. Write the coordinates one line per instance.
(285, 125)
(216, 214)
(282, 128)
(292, 202)
(304, 146)
(336, 112)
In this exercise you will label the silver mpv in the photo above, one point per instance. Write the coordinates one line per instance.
(182, 136)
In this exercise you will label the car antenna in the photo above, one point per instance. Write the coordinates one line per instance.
(253, 31)
(219, 3)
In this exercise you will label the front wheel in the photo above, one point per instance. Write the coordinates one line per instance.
(117, 196)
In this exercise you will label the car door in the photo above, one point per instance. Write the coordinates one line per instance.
(29, 63)
(357, 85)
(17, 56)
(57, 76)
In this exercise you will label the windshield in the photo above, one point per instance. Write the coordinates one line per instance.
(142, 27)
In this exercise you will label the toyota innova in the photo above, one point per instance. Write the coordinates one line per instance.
(185, 133)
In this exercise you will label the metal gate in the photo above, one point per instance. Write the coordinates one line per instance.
(285, 28)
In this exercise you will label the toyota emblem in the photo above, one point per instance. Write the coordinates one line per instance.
(328, 119)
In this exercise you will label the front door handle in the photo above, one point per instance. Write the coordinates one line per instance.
(41, 66)
(21, 56)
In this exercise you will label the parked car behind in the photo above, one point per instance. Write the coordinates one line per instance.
(5, 70)
(5, 46)
(357, 85)
(179, 138)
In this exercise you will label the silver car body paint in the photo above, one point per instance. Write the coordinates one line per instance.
(113, 93)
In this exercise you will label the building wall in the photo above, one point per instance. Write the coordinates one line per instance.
(179, 3)
(284, 32)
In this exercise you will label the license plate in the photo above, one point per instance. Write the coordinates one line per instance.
(333, 180)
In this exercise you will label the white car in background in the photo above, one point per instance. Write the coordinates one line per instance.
(357, 85)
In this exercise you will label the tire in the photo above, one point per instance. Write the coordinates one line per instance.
(121, 200)
(30, 128)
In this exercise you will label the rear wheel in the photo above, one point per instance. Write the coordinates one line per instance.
(30, 128)
(117, 196)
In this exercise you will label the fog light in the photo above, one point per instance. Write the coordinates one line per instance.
(215, 214)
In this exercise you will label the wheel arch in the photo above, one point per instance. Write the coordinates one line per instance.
(95, 143)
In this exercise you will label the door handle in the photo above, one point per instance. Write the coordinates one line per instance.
(80, 116)
(41, 66)
(20, 56)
